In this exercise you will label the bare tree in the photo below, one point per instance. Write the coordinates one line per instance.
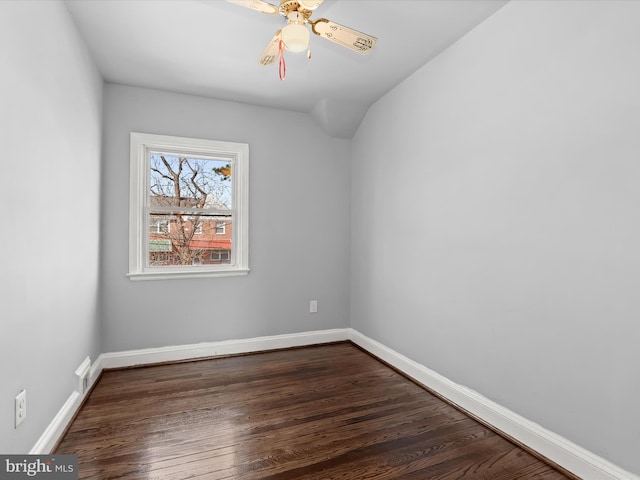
(187, 183)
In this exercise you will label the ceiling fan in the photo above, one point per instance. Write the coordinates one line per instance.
(294, 37)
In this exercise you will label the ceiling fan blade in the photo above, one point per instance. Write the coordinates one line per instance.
(310, 4)
(270, 53)
(257, 5)
(345, 36)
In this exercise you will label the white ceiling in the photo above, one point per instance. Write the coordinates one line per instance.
(211, 48)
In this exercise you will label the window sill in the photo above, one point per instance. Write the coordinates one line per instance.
(165, 275)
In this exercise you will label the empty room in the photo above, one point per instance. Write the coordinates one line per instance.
(339, 239)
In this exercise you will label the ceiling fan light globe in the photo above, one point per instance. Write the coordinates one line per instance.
(310, 4)
(295, 37)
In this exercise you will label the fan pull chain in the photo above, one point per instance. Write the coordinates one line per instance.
(309, 52)
(282, 67)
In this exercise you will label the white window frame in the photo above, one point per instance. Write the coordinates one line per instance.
(237, 154)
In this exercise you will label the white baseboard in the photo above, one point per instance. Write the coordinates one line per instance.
(54, 431)
(554, 447)
(565, 453)
(214, 349)
(58, 425)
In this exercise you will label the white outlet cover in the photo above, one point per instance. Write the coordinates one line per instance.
(21, 407)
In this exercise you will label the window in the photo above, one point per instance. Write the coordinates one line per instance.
(219, 256)
(188, 207)
(157, 225)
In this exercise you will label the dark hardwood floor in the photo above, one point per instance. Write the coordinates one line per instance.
(322, 412)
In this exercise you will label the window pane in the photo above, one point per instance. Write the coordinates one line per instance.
(189, 239)
(189, 182)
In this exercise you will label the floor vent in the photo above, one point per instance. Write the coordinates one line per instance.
(82, 376)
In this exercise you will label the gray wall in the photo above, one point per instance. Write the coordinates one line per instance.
(298, 227)
(50, 126)
(496, 220)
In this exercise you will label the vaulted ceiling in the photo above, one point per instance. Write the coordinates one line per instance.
(211, 48)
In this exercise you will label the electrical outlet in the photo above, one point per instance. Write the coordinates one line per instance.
(21, 407)
(313, 306)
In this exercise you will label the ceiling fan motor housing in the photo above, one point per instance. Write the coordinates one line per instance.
(288, 6)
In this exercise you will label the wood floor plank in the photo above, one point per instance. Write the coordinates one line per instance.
(322, 412)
